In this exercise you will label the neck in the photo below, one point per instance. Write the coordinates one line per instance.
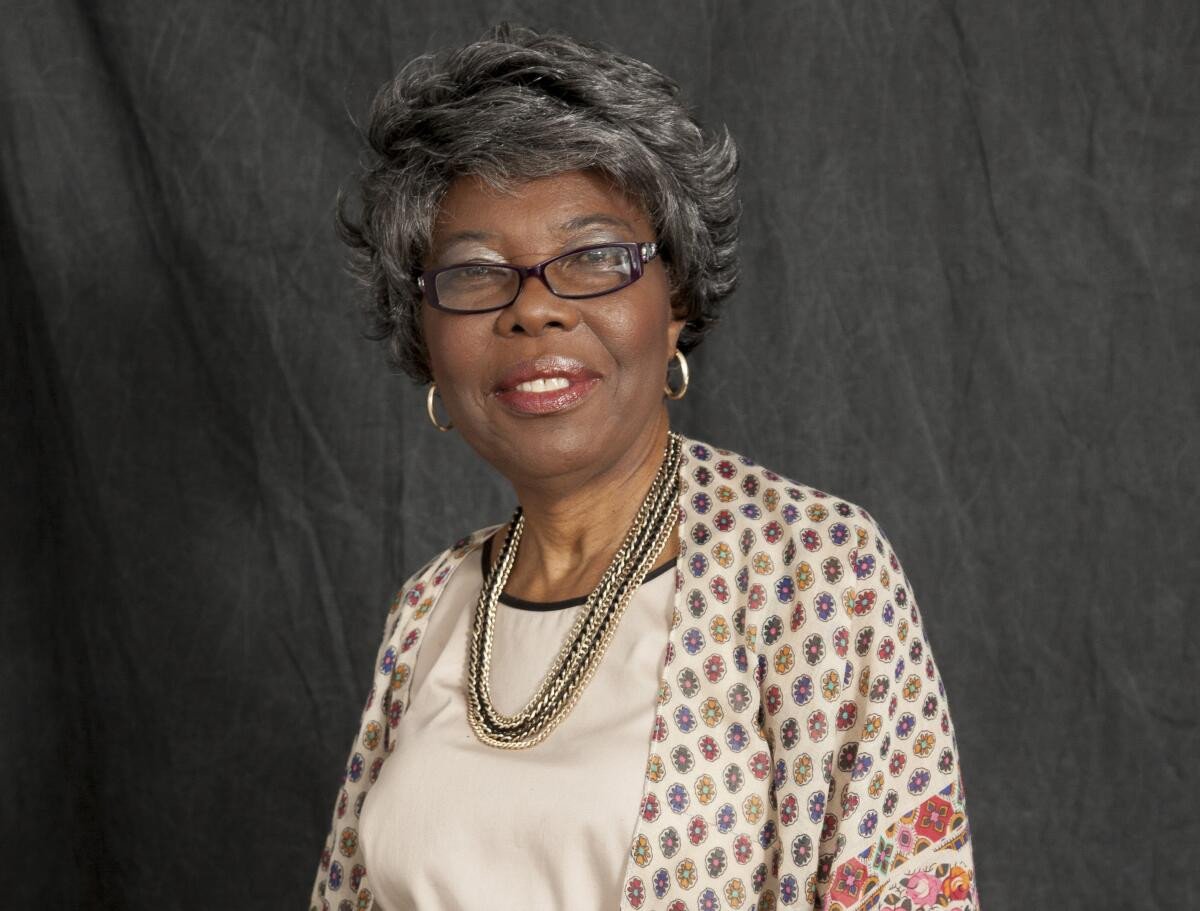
(571, 533)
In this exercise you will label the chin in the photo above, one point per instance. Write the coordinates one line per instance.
(553, 446)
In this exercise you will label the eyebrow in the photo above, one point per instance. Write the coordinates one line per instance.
(458, 236)
(598, 218)
(578, 223)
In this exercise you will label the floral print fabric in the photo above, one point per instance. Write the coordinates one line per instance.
(802, 754)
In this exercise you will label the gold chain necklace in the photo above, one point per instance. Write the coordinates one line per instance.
(593, 629)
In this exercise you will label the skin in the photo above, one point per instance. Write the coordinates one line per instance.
(581, 473)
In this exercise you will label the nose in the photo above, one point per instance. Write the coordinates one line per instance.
(536, 310)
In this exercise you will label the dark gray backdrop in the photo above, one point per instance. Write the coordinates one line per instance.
(969, 304)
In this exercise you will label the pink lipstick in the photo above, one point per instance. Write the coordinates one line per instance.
(545, 385)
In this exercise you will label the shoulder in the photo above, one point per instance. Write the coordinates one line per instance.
(419, 590)
(732, 492)
(781, 544)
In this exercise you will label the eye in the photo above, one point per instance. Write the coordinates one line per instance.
(603, 255)
(473, 273)
(598, 259)
(475, 270)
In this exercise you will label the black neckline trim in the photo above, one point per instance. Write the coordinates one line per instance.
(485, 562)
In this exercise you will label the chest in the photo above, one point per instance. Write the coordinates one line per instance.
(545, 822)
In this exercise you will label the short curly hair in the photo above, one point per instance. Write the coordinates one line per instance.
(519, 105)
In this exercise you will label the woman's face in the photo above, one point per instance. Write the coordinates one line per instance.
(612, 349)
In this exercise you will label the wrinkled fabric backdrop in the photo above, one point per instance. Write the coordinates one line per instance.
(969, 304)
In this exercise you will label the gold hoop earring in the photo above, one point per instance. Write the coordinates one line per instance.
(429, 410)
(683, 368)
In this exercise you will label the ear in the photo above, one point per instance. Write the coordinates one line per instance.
(673, 333)
(675, 326)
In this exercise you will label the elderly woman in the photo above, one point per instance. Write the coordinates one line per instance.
(675, 679)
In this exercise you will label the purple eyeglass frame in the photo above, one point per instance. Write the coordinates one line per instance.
(639, 255)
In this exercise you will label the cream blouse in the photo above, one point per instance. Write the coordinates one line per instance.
(453, 823)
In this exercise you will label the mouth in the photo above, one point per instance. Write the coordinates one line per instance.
(545, 385)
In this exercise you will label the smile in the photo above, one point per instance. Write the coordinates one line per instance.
(544, 384)
(546, 395)
(548, 384)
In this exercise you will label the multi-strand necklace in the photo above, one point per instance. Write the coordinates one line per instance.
(592, 631)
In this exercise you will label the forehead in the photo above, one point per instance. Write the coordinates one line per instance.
(536, 212)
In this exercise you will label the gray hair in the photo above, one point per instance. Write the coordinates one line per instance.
(518, 105)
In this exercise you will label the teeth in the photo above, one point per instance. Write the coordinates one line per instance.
(544, 384)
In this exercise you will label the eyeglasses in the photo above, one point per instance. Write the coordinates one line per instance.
(576, 275)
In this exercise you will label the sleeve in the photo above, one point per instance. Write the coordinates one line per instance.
(869, 799)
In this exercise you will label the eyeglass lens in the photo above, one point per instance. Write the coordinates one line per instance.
(586, 273)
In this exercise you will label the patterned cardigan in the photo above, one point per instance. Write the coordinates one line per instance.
(802, 753)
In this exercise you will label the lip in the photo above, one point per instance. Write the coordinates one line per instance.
(582, 381)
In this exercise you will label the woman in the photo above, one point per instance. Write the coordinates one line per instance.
(674, 679)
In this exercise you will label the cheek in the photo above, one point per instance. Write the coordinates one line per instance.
(431, 333)
(639, 348)
(447, 338)
(641, 332)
